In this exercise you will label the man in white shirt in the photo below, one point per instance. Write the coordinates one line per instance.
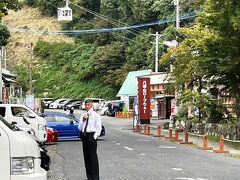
(90, 125)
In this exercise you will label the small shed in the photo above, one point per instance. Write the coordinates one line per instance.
(129, 89)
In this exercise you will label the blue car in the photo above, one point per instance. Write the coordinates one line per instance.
(66, 126)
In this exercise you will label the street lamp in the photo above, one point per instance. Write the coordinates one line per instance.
(172, 43)
(157, 36)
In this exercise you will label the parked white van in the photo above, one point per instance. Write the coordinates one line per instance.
(96, 103)
(106, 106)
(19, 154)
(25, 119)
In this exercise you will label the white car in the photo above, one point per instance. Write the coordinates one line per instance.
(26, 119)
(96, 103)
(20, 155)
(55, 104)
(105, 107)
(47, 101)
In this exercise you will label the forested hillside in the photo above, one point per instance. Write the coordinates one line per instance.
(97, 63)
(98, 60)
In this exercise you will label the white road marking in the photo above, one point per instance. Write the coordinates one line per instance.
(177, 169)
(118, 144)
(167, 147)
(143, 140)
(128, 148)
(143, 154)
(185, 178)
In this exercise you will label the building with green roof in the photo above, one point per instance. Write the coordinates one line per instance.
(129, 89)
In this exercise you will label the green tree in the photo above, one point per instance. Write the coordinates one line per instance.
(4, 35)
(106, 60)
(211, 49)
(5, 5)
(223, 53)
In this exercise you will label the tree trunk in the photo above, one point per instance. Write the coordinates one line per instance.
(238, 108)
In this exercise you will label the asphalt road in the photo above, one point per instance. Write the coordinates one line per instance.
(126, 155)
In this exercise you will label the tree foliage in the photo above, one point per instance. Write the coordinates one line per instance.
(101, 60)
(5, 5)
(4, 35)
(210, 51)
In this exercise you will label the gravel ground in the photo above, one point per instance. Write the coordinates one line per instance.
(56, 163)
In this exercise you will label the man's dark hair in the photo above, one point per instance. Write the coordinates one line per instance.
(88, 101)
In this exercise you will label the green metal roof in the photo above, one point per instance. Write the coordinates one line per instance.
(129, 86)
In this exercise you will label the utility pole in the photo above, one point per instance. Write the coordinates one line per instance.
(30, 68)
(176, 3)
(156, 53)
(1, 82)
(157, 36)
(5, 59)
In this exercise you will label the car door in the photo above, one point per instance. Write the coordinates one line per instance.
(66, 127)
(17, 114)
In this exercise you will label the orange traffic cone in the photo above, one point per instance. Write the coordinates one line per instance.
(221, 146)
(205, 143)
(186, 139)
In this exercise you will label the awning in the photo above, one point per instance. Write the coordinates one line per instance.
(9, 79)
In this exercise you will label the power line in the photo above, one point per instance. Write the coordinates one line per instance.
(110, 20)
(102, 30)
(98, 15)
(82, 19)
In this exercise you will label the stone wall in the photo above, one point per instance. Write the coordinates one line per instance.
(228, 131)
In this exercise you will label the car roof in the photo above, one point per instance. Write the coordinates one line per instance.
(47, 98)
(52, 113)
(14, 105)
(93, 98)
(114, 101)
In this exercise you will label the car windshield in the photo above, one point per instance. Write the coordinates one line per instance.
(20, 111)
(10, 126)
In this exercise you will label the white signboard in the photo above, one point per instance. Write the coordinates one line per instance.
(30, 101)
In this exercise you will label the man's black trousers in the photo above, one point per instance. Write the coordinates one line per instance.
(90, 156)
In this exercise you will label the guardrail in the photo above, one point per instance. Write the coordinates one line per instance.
(124, 114)
(146, 130)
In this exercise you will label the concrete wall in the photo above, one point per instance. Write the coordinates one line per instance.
(228, 131)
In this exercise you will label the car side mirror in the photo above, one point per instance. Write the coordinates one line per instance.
(42, 115)
(14, 123)
(25, 120)
(31, 116)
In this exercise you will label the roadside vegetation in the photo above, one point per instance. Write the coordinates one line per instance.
(96, 64)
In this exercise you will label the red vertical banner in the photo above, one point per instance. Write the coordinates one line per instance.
(144, 100)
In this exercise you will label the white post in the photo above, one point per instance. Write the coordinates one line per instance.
(30, 69)
(177, 14)
(1, 83)
(5, 59)
(156, 53)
